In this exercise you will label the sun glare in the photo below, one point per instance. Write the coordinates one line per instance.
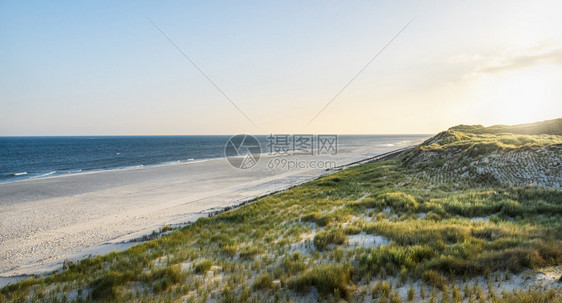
(520, 96)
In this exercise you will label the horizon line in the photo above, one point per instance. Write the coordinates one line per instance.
(185, 135)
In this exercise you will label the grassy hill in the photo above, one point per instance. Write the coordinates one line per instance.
(416, 227)
(475, 155)
(549, 127)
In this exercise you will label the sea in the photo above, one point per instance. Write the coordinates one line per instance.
(23, 158)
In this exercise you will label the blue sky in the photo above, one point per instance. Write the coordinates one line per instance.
(101, 68)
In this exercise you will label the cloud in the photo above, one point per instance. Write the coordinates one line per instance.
(508, 60)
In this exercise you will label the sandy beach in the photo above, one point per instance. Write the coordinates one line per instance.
(45, 221)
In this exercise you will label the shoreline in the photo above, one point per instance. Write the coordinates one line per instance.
(82, 171)
(101, 170)
(238, 195)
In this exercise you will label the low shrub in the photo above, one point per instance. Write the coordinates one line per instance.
(532, 296)
(433, 217)
(105, 288)
(368, 202)
(325, 238)
(263, 282)
(327, 279)
(393, 258)
(203, 266)
(456, 266)
(230, 250)
(316, 217)
(514, 259)
(434, 278)
(398, 201)
(293, 264)
(248, 253)
(381, 289)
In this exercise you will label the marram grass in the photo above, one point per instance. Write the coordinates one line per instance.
(442, 242)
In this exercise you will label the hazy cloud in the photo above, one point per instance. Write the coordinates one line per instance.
(511, 59)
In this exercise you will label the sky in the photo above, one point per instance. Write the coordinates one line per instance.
(102, 67)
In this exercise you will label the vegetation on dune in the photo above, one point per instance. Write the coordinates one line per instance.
(326, 237)
(498, 136)
(329, 280)
(455, 242)
(474, 156)
(549, 127)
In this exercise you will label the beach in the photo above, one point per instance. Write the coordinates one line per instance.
(46, 221)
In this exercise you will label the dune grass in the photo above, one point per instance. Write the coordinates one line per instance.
(292, 245)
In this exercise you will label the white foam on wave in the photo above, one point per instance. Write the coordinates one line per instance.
(64, 173)
(179, 162)
(169, 163)
(48, 174)
(43, 175)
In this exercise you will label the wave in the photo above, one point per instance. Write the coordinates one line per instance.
(68, 171)
(42, 175)
(47, 174)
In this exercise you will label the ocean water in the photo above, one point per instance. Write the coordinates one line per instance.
(39, 157)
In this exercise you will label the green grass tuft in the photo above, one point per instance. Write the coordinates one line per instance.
(329, 279)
